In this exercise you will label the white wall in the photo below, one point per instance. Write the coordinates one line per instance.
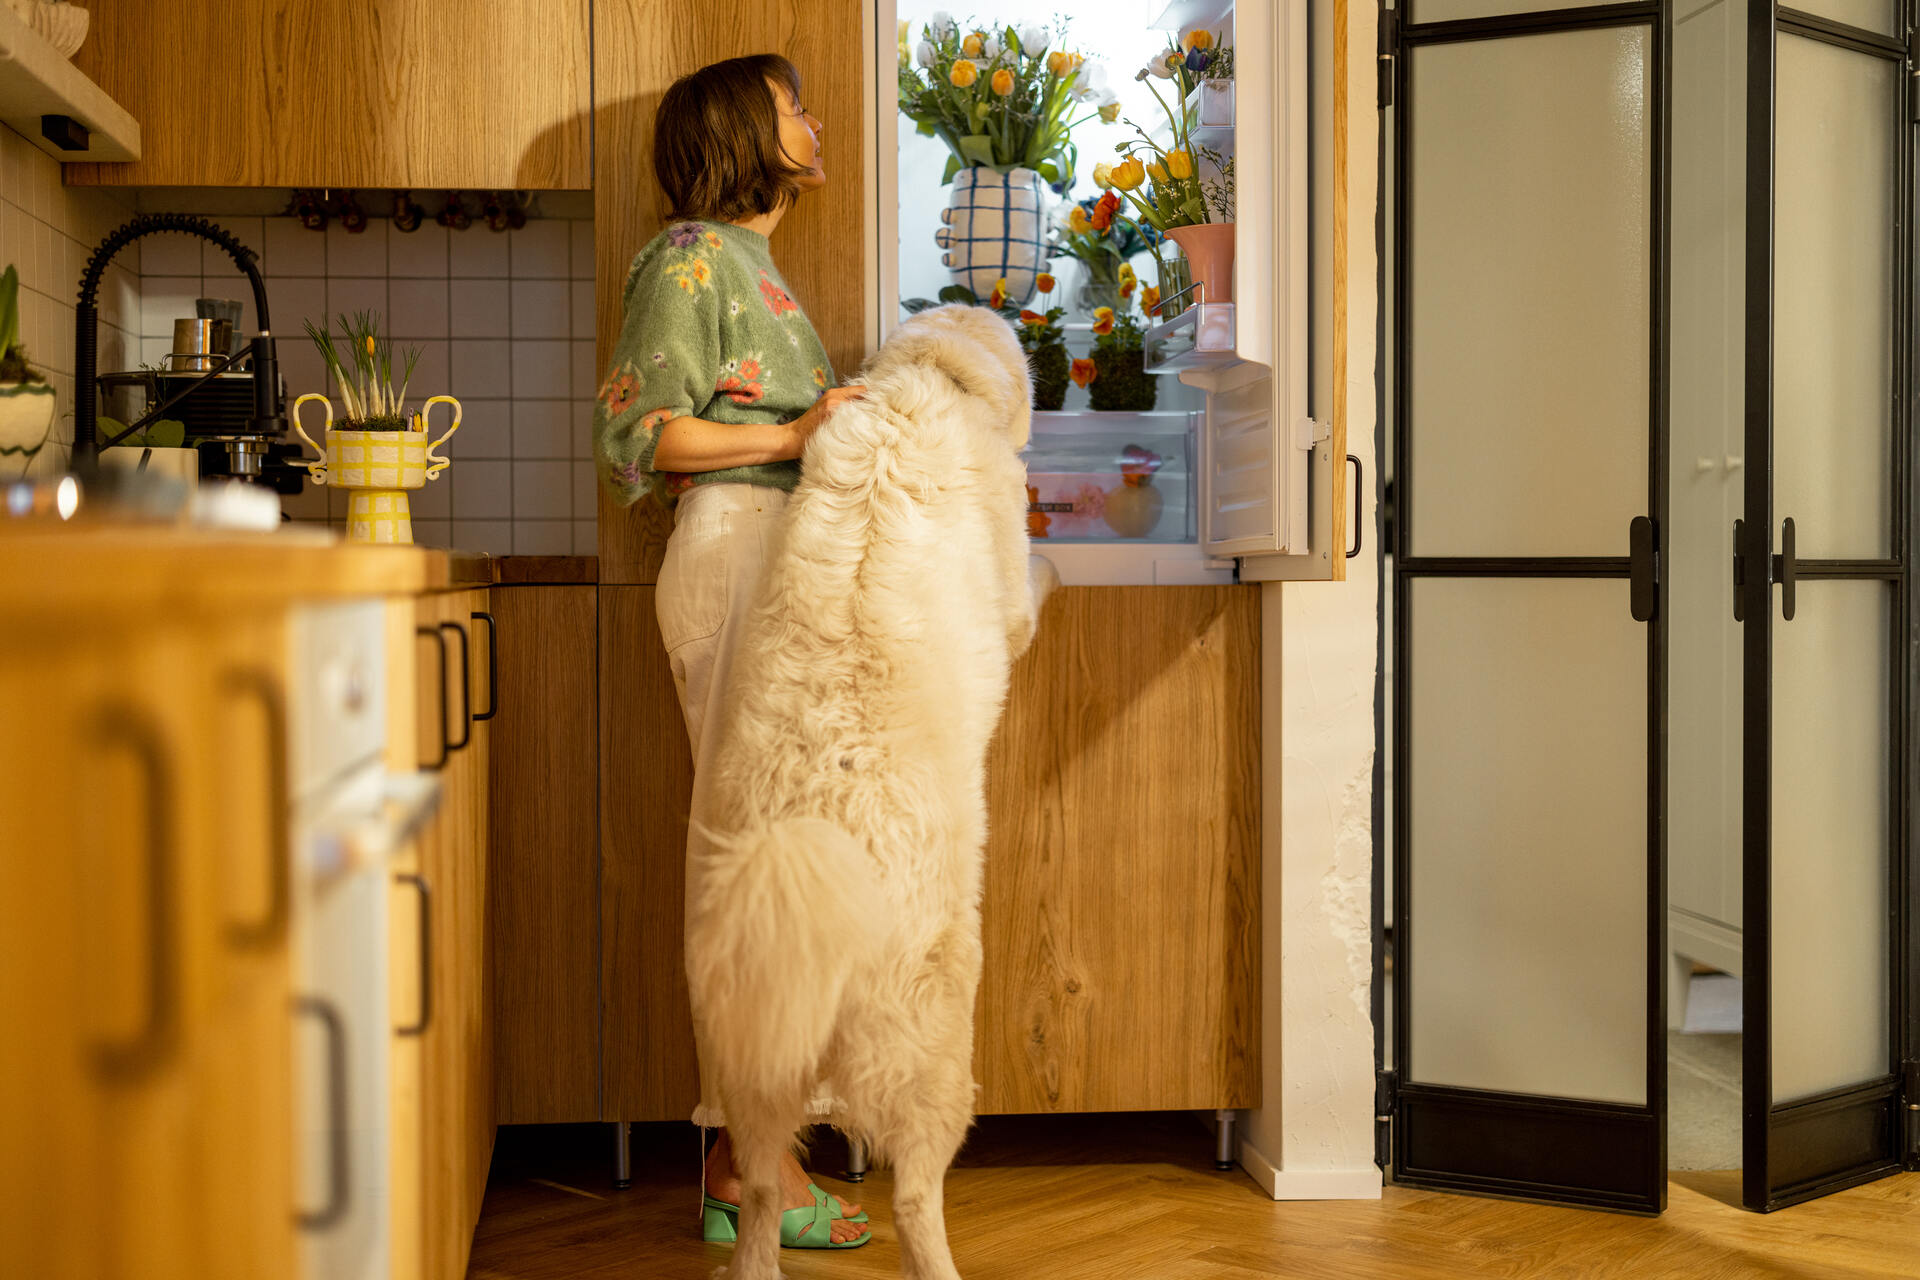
(1313, 1138)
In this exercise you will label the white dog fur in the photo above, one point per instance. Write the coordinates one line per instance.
(833, 928)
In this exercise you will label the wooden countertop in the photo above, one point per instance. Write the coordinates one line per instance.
(132, 567)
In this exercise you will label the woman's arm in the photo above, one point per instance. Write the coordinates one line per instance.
(694, 444)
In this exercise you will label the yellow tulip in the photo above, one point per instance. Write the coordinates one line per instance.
(1179, 164)
(1129, 175)
(974, 45)
(369, 344)
(1110, 112)
(1157, 171)
(1103, 175)
(1003, 82)
(1126, 275)
(1199, 39)
(1059, 62)
(1078, 222)
(963, 75)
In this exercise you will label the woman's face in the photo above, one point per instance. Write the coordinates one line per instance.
(799, 135)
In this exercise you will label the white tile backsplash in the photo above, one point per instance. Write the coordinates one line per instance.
(479, 308)
(498, 322)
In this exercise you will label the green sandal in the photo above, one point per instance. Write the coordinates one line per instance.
(808, 1227)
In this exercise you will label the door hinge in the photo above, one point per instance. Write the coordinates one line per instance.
(1389, 50)
(1386, 1096)
(1910, 1111)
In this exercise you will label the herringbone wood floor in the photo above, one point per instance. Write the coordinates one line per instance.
(1105, 1198)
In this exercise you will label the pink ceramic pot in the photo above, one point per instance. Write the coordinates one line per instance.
(1209, 251)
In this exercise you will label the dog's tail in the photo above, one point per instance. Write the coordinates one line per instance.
(782, 913)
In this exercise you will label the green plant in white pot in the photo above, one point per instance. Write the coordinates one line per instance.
(26, 399)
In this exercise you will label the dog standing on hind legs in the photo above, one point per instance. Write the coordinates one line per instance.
(833, 923)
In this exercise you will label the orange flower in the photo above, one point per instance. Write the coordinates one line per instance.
(1130, 173)
(1032, 317)
(1003, 82)
(1044, 282)
(1059, 62)
(1081, 372)
(998, 298)
(974, 45)
(963, 75)
(1103, 320)
(1126, 290)
(1200, 38)
(1037, 521)
(1150, 300)
(1103, 212)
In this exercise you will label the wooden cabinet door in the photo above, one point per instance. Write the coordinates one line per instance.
(432, 94)
(146, 1073)
(456, 1107)
(543, 854)
(1121, 919)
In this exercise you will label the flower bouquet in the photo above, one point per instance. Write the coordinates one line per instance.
(1101, 238)
(1164, 183)
(382, 451)
(1003, 102)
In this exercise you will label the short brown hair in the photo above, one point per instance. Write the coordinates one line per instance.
(716, 140)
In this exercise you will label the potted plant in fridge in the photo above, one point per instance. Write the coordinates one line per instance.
(1165, 184)
(1002, 102)
(26, 398)
(1119, 380)
(382, 450)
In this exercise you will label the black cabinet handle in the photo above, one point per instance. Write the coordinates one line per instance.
(1786, 570)
(1739, 571)
(1644, 589)
(272, 924)
(440, 641)
(466, 687)
(119, 726)
(1359, 478)
(338, 1182)
(493, 663)
(426, 953)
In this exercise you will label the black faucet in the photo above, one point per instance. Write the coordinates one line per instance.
(269, 408)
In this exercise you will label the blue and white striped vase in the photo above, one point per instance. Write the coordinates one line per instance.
(996, 225)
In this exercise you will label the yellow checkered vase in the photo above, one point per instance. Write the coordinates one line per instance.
(377, 468)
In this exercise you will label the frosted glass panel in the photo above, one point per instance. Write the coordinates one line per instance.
(1830, 836)
(1707, 463)
(1833, 310)
(1528, 836)
(1448, 10)
(1873, 15)
(1528, 265)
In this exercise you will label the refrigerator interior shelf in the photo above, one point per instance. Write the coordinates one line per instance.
(1201, 337)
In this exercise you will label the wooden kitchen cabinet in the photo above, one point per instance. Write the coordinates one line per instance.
(544, 861)
(141, 938)
(432, 94)
(1121, 916)
(456, 1054)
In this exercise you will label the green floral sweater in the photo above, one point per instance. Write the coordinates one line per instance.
(710, 332)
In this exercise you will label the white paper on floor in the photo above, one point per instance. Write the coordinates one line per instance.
(1713, 1003)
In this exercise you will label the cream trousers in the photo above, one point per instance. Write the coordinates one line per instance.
(716, 555)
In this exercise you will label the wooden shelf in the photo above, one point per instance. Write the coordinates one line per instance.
(36, 81)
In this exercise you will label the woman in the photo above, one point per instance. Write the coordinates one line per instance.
(715, 386)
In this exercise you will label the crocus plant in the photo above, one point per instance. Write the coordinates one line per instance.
(1000, 96)
(365, 376)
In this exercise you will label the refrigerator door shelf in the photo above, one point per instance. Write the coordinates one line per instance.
(1201, 337)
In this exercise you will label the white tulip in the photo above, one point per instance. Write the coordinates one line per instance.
(1159, 68)
(923, 54)
(941, 25)
(1033, 41)
(991, 49)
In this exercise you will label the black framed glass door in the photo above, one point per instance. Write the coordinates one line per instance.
(1528, 383)
(1822, 561)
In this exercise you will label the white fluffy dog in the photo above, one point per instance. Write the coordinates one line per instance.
(833, 929)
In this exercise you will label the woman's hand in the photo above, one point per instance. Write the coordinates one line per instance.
(803, 427)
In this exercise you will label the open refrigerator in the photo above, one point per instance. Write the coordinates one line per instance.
(1245, 477)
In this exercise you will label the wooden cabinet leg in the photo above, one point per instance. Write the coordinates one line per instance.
(622, 1156)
